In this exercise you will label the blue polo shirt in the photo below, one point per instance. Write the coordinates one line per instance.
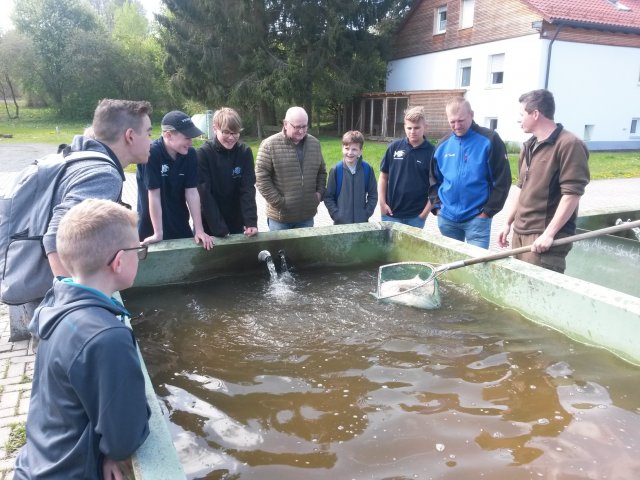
(408, 170)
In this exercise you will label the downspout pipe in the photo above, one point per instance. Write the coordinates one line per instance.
(549, 48)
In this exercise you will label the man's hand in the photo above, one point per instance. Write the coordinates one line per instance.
(205, 239)
(250, 231)
(503, 236)
(385, 209)
(542, 243)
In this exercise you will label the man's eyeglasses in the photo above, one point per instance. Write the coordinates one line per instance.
(142, 251)
(298, 127)
(229, 133)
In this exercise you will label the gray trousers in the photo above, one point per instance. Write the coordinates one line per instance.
(19, 318)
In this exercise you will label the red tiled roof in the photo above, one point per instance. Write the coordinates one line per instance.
(594, 12)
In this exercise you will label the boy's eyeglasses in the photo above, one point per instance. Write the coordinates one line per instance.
(229, 133)
(142, 251)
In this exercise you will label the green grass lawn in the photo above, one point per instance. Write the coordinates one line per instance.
(41, 126)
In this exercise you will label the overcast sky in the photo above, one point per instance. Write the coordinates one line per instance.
(6, 9)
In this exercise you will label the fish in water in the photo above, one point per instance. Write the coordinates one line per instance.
(419, 292)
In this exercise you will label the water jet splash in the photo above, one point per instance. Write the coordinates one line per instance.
(281, 287)
(283, 261)
(265, 256)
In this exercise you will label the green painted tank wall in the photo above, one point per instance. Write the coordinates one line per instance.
(587, 312)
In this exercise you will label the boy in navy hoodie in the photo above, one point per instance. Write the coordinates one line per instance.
(88, 408)
(351, 194)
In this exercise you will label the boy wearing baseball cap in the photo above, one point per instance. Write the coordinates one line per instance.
(167, 185)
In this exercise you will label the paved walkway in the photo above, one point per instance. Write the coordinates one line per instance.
(17, 358)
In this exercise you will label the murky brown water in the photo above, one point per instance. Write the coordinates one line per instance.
(314, 379)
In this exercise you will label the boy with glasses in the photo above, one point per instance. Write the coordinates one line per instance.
(227, 179)
(88, 407)
(291, 174)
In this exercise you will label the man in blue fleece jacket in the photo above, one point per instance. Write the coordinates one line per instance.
(88, 407)
(470, 177)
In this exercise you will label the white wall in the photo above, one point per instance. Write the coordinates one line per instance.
(596, 85)
(592, 84)
(524, 58)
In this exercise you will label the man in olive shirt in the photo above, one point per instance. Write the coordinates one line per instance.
(553, 174)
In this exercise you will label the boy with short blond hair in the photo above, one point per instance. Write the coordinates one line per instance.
(88, 407)
(403, 187)
(351, 193)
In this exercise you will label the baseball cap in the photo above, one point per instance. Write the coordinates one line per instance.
(182, 123)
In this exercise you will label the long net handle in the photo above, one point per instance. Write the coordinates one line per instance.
(556, 243)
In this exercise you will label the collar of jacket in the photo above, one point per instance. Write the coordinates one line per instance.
(218, 147)
(551, 139)
(288, 141)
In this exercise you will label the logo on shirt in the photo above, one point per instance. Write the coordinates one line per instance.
(164, 170)
(449, 155)
(399, 154)
(236, 172)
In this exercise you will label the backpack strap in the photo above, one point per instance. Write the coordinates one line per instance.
(367, 174)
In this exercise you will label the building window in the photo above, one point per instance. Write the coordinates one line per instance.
(588, 132)
(440, 22)
(491, 123)
(464, 72)
(466, 13)
(635, 127)
(496, 69)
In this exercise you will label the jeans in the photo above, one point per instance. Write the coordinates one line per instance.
(476, 231)
(275, 225)
(411, 221)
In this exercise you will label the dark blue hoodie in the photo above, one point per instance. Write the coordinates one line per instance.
(88, 397)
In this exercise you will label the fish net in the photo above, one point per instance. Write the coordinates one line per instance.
(409, 283)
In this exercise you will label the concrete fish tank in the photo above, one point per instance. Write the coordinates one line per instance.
(298, 372)
(612, 261)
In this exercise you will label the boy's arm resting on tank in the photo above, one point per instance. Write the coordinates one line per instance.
(155, 215)
(107, 377)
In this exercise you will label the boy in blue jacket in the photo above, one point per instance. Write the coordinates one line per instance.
(351, 193)
(88, 408)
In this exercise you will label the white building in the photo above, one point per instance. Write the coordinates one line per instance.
(587, 52)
